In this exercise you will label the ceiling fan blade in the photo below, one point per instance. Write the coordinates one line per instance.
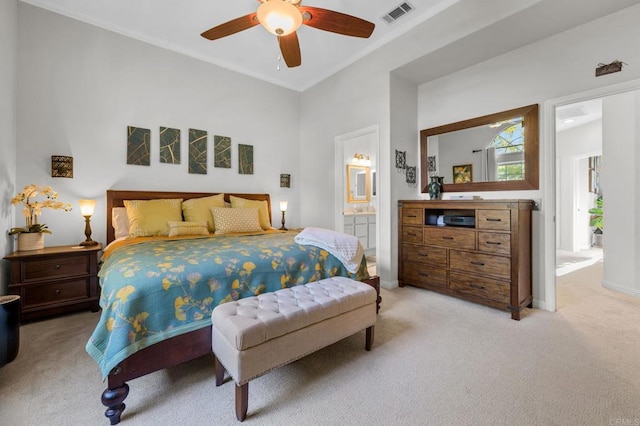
(231, 27)
(336, 22)
(290, 49)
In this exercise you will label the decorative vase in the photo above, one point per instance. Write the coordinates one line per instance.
(435, 187)
(30, 241)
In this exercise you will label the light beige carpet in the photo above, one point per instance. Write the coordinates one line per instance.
(436, 361)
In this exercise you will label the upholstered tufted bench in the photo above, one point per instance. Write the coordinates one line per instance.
(254, 335)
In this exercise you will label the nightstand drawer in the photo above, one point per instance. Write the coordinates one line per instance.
(54, 267)
(55, 292)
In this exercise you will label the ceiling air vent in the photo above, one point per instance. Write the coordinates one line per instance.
(397, 13)
(570, 112)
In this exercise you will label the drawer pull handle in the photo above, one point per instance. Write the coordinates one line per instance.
(490, 219)
(423, 254)
(423, 274)
(447, 238)
(479, 287)
(411, 215)
(494, 243)
(477, 263)
(411, 234)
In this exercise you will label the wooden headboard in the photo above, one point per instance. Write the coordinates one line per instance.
(116, 198)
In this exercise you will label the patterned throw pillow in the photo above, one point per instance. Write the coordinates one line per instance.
(151, 217)
(261, 205)
(235, 220)
(188, 228)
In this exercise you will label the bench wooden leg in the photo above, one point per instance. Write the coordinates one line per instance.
(369, 342)
(242, 401)
(219, 370)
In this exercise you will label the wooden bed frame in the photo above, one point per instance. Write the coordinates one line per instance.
(175, 350)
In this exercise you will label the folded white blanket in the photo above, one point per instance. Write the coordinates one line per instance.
(346, 248)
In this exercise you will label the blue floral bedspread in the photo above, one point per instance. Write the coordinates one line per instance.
(158, 289)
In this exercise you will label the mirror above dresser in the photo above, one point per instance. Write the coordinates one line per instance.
(495, 152)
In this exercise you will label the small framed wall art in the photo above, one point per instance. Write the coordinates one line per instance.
(462, 173)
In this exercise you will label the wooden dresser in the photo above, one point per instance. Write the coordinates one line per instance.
(482, 253)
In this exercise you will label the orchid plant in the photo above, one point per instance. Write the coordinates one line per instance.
(32, 208)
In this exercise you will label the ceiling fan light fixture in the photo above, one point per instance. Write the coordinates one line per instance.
(279, 17)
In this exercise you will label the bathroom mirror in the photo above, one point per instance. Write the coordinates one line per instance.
(495, 152)
(358, 184)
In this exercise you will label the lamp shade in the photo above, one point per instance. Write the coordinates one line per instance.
(279, 17)
(283, 206)
(87, 207)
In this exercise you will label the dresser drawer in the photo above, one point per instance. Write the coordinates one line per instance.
(54, 267)
(493, 242)
(54, 292)
(496, 266)
(485, 288)
(494, 219)
(436, 256)
(413, 216)
(450, 237)
(412, 234)
(420, 275)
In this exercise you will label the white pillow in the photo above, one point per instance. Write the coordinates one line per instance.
(120, 221)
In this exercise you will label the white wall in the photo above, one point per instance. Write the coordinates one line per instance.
(573, 144)
(551, 68)
(81, 86)
(8, 83)
(620, 179)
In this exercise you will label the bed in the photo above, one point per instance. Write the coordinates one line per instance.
(183, 278)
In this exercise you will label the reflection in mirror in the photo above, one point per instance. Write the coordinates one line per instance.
(489, 153)
(358, 184)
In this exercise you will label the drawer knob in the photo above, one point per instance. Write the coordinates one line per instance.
(477, 263)
(479, 287)
(56, 267)
(56, 292)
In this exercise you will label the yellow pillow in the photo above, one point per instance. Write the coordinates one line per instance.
(188, 228)
(151, 217)
(235, 220)
(199, 209)
(261, 205)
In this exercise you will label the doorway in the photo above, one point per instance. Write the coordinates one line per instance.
(578, 191)
(359, 219)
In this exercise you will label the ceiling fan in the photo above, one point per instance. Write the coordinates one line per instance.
(283, 17)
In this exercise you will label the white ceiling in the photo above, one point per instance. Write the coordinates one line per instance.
(177, 25)
(577, 114)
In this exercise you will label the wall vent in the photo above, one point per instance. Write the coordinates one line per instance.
(397, 13)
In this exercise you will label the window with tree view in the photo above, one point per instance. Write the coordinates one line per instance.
(509, 151)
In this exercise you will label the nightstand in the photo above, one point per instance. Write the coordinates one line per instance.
(55, 280)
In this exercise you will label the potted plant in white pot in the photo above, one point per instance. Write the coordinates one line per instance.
(31, 236)
(597, 222)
